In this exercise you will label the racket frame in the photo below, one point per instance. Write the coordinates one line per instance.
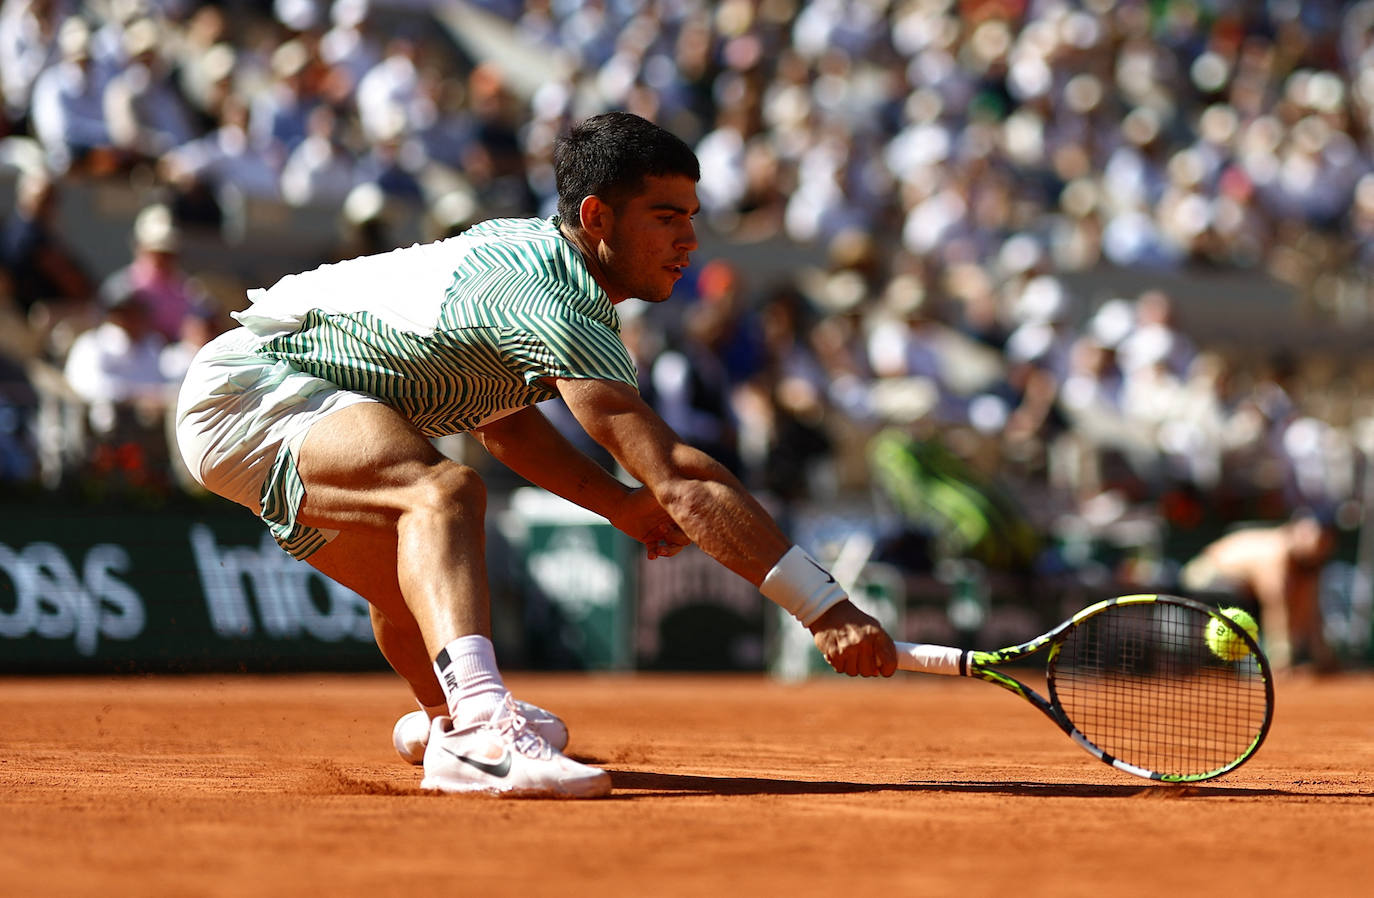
(981, 665)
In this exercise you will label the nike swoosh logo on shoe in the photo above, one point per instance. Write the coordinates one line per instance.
(499, 768)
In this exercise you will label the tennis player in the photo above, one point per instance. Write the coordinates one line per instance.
(317, 414)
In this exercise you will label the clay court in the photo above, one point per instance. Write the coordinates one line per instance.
(737, 785)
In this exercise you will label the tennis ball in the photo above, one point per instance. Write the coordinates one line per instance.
(1224, 642)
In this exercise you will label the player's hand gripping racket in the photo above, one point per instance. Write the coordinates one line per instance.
(1134, 681)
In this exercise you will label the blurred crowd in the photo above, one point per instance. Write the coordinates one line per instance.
(951, 163)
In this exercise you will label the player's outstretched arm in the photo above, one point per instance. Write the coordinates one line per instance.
(717, 513)
(528, 444)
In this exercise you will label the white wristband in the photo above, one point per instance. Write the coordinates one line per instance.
(801, 586)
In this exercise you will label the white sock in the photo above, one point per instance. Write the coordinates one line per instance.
(470, 679)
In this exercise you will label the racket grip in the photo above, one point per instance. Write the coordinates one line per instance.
(932, 659)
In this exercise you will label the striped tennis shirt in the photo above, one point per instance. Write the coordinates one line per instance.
(452, 333)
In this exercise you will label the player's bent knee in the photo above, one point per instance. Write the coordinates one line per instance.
(452, 487)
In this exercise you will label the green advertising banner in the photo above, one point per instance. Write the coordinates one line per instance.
(582, 570)
(104, 588)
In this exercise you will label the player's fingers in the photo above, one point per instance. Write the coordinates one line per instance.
(887, 657)
(867, 661)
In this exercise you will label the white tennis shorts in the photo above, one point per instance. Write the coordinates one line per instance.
(240, 423)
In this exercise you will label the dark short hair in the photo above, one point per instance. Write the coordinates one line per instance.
(610, 155)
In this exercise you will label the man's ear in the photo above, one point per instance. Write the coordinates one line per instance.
(597, 217)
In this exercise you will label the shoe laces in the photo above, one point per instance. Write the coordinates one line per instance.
(514, 727)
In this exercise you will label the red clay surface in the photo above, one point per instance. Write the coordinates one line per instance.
(732, 785)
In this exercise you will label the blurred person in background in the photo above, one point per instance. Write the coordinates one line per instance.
(691, 384)
(18, 409)
(201, 325)
(495, 163)
(116, 368)
(225, 162)
(146, 112)
(445, 129)
(1155, 338)
(156, 274)
(782, 409)
(320, 170)
(279, 114)
(206, 68)
(28, 45)
(349, 47)
(18, 398)
(1276, 569)
(68, 111)
(52, 285)
(388, 95)
(204, 61)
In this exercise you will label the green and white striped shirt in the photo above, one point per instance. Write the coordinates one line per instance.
(453, 333)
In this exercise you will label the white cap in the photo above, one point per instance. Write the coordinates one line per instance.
(1043, 299)
(155, 231)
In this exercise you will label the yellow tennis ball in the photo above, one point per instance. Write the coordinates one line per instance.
(1224, 642)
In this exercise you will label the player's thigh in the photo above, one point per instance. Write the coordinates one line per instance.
(364, 466)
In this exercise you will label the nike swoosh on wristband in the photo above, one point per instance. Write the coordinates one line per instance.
(500, 768)
(829, 577)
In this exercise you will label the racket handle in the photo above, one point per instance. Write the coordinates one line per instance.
(932, 659)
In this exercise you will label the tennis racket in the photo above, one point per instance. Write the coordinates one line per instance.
(1133, 681)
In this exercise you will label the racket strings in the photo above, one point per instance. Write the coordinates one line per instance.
(1140, 683)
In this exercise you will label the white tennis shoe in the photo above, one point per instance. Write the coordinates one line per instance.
(410, 735)
(505, 756)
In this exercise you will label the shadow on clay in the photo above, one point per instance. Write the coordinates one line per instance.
(638, 783)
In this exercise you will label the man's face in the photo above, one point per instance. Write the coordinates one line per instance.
(648, 240)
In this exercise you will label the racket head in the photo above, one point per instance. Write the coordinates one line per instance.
(1134, 681)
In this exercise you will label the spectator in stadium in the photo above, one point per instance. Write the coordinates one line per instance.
(279, 115)
(43, 267)
(28, 45)
(1276, 569)
(115, 367)
(18, 398)
(68, 112)
(320, 170)
(1154, 338)
(495, 162)
(395, 164)
(783, 408)
(155, 274)
(349, 47)
(388, 94)
(224, 161)
(146, 112)
(692, 387)
(902, 341)
(204, 60)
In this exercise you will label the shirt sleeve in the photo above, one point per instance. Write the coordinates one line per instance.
(571, 345)
(548, 327)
